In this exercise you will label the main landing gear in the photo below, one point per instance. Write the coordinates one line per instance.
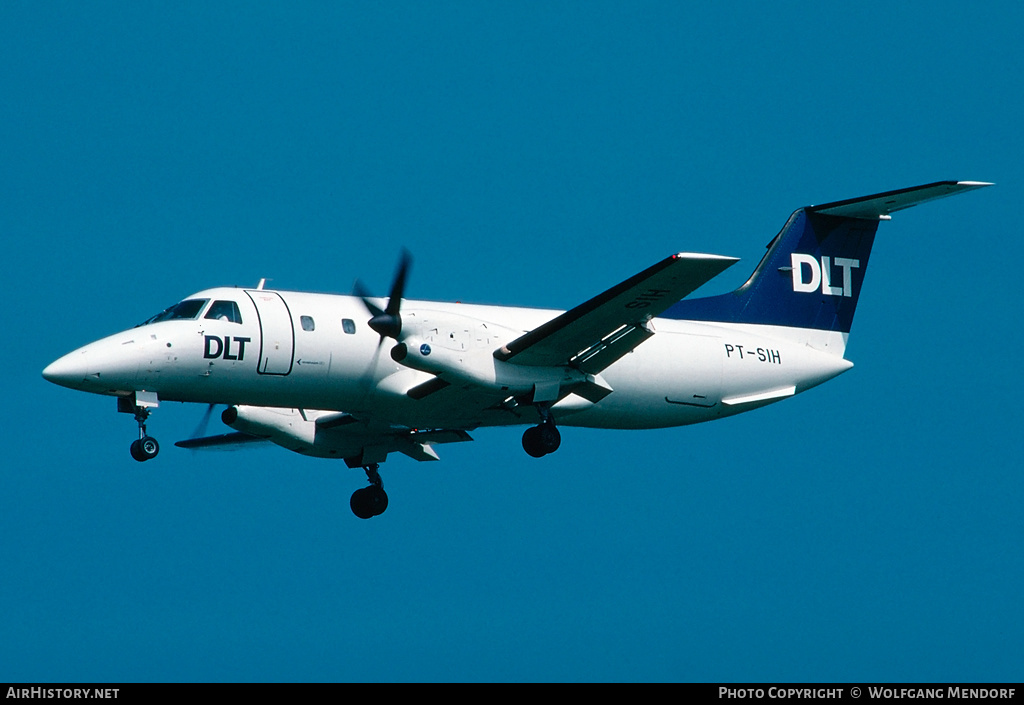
(370, 501)
(543, 438)
(540, 440)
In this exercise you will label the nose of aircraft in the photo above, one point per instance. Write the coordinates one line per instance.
(105, 366)
(70, 370)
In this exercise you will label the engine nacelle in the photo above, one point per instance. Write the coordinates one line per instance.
(481, 368)
(298, 431)
(286, 427)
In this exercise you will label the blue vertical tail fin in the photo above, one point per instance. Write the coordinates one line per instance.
(812, 274)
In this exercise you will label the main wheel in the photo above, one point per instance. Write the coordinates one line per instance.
(532, 443)
(144, 449)
(550, 438)
(369, 502)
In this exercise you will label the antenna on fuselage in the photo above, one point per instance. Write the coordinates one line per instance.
(259, 287)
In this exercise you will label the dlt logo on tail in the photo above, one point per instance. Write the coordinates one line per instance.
(822, 274)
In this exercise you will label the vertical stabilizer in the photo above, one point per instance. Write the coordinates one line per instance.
(812, 274)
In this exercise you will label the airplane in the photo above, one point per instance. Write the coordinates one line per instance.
(359, 378)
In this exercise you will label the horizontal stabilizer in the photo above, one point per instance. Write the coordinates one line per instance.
(881, 205)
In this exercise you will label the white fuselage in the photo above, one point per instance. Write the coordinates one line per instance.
(357, 378)
(314, 351)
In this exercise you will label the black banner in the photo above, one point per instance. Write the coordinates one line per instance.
(792, 692)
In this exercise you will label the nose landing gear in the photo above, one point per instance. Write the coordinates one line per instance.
(370, 501)
(146, 447)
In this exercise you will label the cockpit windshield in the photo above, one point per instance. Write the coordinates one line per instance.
(188, 308)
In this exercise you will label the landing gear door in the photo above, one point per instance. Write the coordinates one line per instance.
(277, 334)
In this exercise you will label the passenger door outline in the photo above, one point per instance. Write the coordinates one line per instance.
(277, 333)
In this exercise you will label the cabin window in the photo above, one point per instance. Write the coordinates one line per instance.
(348, 325)
(307, 323)
(224, 311)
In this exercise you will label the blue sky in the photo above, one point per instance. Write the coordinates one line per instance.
(530, 154)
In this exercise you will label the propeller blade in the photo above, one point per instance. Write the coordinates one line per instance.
(369, 378)
(387, 322)
(360, 290)
(398, 287)
(201, 428)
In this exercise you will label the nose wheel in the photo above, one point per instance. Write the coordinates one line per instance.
(371, 501)
(146, 447)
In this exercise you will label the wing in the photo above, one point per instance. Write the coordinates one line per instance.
(597, 333)
(223, 441)
(326, 434)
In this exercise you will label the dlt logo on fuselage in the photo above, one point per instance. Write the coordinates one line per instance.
(821, 274)
(217, 347)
